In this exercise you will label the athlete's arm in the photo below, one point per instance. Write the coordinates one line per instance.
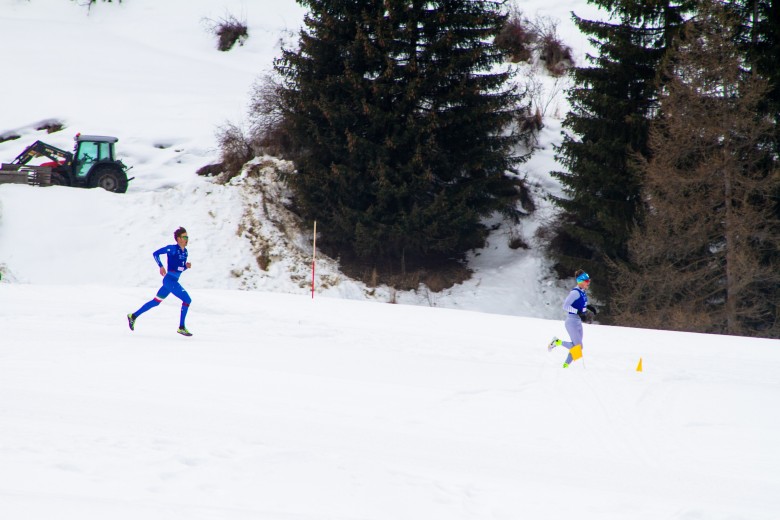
(569, 301)
(156, 256)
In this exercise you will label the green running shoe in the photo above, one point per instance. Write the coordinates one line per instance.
(131, 321)
(184, 332)
(565, 365)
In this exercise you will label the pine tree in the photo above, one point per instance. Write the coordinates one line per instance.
(613, 102)
(758, 36)
(702, 259)
(401, 125)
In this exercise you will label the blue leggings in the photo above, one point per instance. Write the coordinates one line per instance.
(170, 285)
(573, 326)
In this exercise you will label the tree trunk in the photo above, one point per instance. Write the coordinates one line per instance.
(731, 245)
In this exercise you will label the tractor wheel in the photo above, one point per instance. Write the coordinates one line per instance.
(110, 179)
(58, 179)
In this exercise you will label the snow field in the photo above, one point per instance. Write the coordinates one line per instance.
(282, 406)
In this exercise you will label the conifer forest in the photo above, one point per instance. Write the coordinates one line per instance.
(407, 129)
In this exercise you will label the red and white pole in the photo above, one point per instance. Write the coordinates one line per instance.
(313, 258)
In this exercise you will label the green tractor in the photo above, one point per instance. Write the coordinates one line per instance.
(91, 165)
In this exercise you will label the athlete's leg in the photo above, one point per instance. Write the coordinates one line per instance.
(164, 291)
(182, 294)
(574, 328)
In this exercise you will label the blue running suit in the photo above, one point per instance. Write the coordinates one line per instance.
(177, 264)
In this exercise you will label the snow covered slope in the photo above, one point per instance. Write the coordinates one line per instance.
(148, 72)
(284, 407)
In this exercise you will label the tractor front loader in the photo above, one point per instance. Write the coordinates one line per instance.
(91, 165)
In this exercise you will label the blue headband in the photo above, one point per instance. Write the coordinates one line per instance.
(581, 278)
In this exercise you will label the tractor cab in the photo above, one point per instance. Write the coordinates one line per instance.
(91, 150)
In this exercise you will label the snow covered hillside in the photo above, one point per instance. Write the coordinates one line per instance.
(284, 407)
(149, 73)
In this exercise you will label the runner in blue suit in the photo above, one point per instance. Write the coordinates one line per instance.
(177, 264)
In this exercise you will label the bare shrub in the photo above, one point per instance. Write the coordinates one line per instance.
(516, 38)
(531, 122)
(524, 40)
(267, 133)
(516, 241)
(556, 55)
(89, 3)
(236, 149)
(229, 31)
(269, 129)
(544, 95)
